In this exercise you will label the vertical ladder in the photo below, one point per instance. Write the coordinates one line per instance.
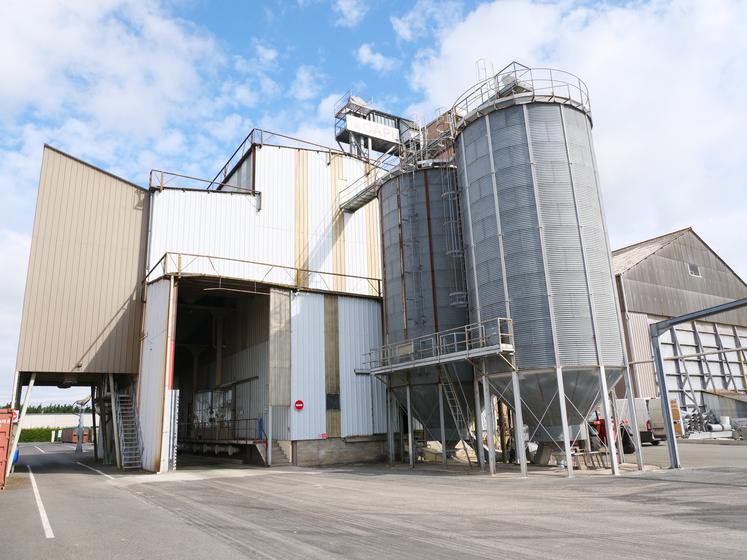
(129, 434)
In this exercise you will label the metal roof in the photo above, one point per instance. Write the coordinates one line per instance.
(626, 258)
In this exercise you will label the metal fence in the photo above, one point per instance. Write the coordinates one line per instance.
(243, 430)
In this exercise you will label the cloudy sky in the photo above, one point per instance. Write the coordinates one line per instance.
(176, 85)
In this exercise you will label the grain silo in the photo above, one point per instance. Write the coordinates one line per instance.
(536, 244)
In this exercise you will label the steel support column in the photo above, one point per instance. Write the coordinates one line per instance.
(17, 435)
(564, 422)
(268, 439)
(633, 417)
(490, 420)
(93, 418)
(519, 443)
(666, 410)
(609, 429)
(478, 423)
(441, 420)
(410, 446)
(389, 426)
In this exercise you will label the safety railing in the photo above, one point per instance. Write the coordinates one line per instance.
(492, 334)
(242, 430)
(189, 264)
(516, 80)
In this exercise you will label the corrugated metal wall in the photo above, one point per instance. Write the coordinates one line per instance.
(662, 284)
(644, 376)
(307, 366)
(151, 381)
(299, 224)
(362, 398)
(82, 308)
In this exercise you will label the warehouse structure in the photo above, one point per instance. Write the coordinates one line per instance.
(448, 282)
(669, 276)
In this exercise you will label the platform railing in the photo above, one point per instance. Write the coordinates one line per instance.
(496, 333)
(242, 430)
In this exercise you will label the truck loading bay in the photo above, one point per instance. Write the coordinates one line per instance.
(62, 505)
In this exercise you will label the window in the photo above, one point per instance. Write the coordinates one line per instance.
(693, 269)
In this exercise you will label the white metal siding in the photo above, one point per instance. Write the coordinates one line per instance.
(307, 366)
(151, 397)
(640, 351)
(230, 226)
(362, 398)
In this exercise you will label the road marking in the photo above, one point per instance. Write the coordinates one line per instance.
(40, 506)
(40, 449)
(94, 470)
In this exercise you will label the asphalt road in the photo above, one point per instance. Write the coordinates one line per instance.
(366, 511)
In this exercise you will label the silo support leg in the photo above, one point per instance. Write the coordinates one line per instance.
(410, 446)
(564, 421)
(490, 420)
(519, 443)
(442, 422)
(609, 428)
(633, 419)
(389, 426)
(478, 424)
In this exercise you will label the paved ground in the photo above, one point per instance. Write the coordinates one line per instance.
(363, 511)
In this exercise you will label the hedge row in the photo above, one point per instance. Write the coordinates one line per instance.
(36, 434)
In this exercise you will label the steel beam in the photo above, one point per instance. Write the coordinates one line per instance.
(389, 426)
(115, 423)
(633, 414)
(666, 411)
(268, 439)
(17, 435)
(410, 446)
(519, 444)
(441, 420)
(609, 429)
(490, 420)
(564, 421)
(478, 423)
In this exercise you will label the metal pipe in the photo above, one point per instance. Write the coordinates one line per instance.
(478, 423)
(410, 446)
(17, 435)
(490, 420)
(564, 422)
(666, 411)
(608, 421)
(519, 444)
(441, 420)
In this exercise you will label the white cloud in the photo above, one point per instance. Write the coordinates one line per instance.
(349, 12)
(369, 57)
(265, 55)
(667, 82)
(425, 17)
(307, 83)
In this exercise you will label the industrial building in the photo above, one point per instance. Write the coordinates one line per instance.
(668, 276)
(438, 286)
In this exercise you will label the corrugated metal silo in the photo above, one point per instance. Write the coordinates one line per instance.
(536, 242)
(422, 276)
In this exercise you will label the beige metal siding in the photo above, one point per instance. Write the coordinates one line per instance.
(82, 308)
(644, 377)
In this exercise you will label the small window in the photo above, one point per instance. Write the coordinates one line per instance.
(693, 269)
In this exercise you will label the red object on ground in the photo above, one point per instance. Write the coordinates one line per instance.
(6, 425)
(298, 404)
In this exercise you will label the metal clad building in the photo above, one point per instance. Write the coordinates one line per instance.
(668, 276)
(82, 308)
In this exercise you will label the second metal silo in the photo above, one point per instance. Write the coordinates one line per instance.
(537, 248)
(423, 282)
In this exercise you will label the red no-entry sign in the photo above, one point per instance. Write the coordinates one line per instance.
(298, 404)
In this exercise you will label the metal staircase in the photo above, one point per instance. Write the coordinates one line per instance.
(461, 420)
(129, 432)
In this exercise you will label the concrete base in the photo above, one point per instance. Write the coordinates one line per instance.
(335, 451)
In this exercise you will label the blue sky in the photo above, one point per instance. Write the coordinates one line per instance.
(177, 84)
